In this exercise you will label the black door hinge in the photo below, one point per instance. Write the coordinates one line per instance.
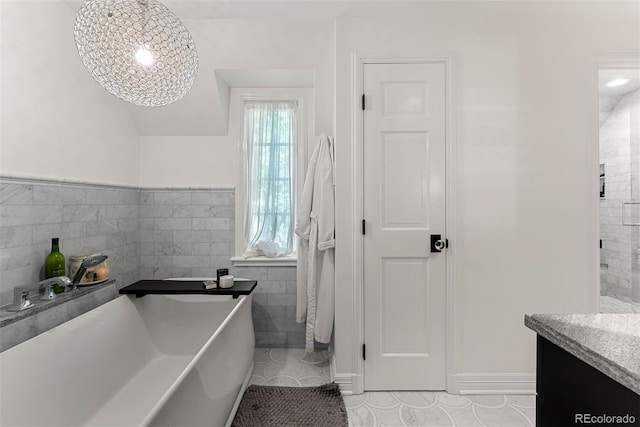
(363, 102)
(363, 227)
(364, 352)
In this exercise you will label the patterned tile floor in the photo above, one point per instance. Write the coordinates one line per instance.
(613, 305)
(295, 367)
(290, 367)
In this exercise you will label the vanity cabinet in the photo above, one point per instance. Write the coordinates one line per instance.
(570, 392)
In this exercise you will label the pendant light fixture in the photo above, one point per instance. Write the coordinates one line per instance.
(138, 50)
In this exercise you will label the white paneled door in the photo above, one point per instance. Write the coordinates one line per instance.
(404, 205)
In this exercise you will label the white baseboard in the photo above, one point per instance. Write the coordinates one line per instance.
(346, 384)
(349, 383)
(524, 383)
(491, 383)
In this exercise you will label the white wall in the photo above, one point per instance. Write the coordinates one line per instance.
(522, 111)
(54, 114)
(205, 161)
(196, 161)
(56, 122)
(188, 161)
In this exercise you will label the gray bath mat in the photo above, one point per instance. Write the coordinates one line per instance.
(271, 406)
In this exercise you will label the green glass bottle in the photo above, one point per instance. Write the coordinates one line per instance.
(54, 264)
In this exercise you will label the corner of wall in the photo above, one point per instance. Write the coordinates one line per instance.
(223, 97)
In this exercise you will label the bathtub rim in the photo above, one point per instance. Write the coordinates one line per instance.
(41, 306)
(187, 369)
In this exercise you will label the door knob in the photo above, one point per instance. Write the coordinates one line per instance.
(438, 243)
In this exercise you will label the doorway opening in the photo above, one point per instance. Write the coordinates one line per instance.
(619, 188)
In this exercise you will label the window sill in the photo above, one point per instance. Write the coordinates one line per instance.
(290, 261)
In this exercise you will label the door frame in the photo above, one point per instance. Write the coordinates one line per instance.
(599, 62)
(358, 62)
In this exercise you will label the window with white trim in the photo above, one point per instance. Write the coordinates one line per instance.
(272, 138)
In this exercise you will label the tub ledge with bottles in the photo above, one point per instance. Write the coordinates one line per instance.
(92, 288)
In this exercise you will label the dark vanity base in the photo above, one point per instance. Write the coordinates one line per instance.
(573, 393)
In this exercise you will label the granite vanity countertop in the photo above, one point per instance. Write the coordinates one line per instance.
(8, 317)
(608, 342)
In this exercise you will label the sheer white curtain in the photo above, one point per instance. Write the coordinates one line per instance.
(270, 138)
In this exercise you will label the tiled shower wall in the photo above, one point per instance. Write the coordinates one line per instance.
(146, 233)
(191, 233)
(620, 154)
(87, 219)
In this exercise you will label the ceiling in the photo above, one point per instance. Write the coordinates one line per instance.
(611, 96)
(262, 9)
(200, 13)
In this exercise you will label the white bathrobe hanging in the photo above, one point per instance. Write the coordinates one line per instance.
(316, 263)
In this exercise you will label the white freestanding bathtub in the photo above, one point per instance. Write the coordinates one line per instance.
(179, 360)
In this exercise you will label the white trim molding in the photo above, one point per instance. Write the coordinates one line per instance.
(491, 383)
(345, 381)
(357, 86)
(30, 179)
(288, 261)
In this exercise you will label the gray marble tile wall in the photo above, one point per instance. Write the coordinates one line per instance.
(86, 218)
(185, 233)
(146, 233)
(274, 307)
(191, 233)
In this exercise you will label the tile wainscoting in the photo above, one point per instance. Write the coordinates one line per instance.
(87, 218)
(147, 233)
(191, 233)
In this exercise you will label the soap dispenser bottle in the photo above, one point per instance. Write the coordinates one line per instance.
(54, 263)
